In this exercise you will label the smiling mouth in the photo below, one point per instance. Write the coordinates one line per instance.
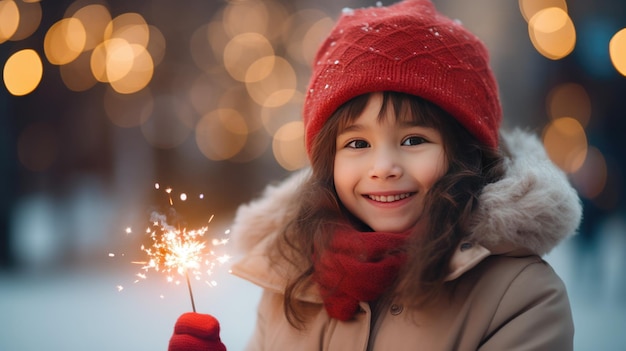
(389, 198)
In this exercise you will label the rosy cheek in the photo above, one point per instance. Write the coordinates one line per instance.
(433, 177)
(435, 171)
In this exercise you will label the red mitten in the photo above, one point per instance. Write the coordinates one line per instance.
(196, 332)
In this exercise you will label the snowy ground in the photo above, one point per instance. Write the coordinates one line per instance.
(81, 309)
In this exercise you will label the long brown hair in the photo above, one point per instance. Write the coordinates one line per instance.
(450, 201)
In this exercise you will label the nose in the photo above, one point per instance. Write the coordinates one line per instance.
(385, 165)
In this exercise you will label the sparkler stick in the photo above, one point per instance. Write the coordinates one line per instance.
(193, 304)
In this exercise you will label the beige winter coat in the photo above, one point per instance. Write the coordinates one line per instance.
(507, 297)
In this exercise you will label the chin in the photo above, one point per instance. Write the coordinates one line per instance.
(389, 229)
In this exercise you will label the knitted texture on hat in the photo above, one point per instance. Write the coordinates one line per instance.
(410, 48)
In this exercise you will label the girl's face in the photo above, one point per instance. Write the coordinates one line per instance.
(383, 168)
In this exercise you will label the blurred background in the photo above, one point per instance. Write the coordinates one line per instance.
(111, 111)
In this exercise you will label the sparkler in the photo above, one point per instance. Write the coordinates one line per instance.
(176, 251)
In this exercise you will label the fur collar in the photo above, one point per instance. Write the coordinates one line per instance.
(532, 208)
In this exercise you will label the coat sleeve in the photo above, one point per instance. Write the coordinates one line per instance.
(533, 314)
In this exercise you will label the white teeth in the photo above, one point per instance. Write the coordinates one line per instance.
(389, 198)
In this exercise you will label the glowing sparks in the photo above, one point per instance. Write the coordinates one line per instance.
(169, 194)
(217, 242)
(178, 252)
(174, 250)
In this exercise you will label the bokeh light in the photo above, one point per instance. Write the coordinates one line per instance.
(76, 75)
(288, 146)
(242, 51)
(123, 59)
(295, 32)
(552, 33)
(131, 27)
(241, 17)
(120, 57)
(200, 48)
(617, 50)
(139, 74)
(313, 38)
(64, 41)
(275, 117)
(529, 8)
(569, 100)
(23, 72)
(260, 17)
(111, 60)
(156, 45)
(590, 179)
(566, 143)
(94, 18)
(609, 198)
(257, 143)
(29, 19)
(9, 19)
(221, 134)
(272, 81)
(216, 35)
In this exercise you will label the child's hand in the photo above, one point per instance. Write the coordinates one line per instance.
(195, 331)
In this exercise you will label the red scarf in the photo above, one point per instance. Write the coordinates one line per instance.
(358, 266)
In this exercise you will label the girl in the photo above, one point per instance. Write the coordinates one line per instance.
(416, 226)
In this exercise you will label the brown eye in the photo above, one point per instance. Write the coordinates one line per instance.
(358, 144)
(413, 140)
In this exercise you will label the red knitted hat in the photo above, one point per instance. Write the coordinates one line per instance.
(410, 48)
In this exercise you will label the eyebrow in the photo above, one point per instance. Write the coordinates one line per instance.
(354, 127)
(411, 123)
